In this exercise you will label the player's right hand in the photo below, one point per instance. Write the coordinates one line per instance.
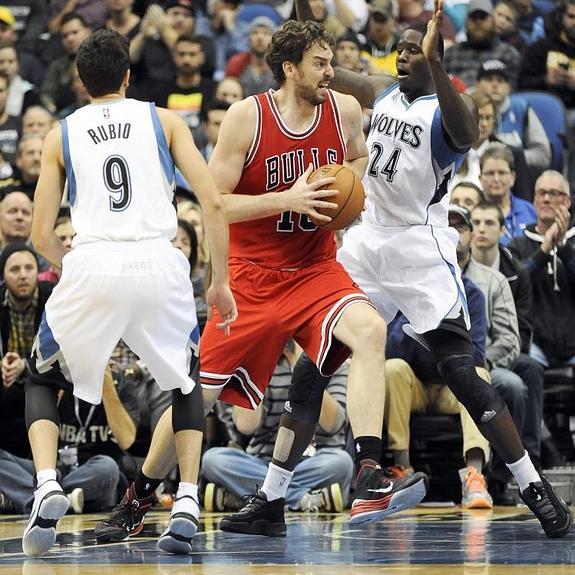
(219, 298)
(306, 198)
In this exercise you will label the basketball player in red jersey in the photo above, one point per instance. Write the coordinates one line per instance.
(287, 282)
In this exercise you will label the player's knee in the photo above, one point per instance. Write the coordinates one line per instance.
(479, 398)
(370, 338)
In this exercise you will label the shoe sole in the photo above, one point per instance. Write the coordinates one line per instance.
(209, 497)
(260, 527)
(562, 531)
(399, 501)
(478, 503)
(336, 499)
(40, 533)
(177, 539)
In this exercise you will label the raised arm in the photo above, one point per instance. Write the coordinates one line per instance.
(352, 119)
(458, 112)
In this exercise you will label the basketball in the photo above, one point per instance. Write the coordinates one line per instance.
(349, 200)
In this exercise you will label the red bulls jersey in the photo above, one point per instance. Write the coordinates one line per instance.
(274, 162)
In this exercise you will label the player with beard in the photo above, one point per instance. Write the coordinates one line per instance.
(403, 253)
(287, 282)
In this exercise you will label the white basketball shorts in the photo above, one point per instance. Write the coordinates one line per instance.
(412, 269)
(140, 292)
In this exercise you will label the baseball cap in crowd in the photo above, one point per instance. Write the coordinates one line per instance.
(479, 6)
(6, 16)
(385, 8)
(349, 37)
(493, 68)
(187, 4)
(263, 22)
(462, 213)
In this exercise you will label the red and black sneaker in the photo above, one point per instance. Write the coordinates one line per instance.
(126, 519)
(377, 495)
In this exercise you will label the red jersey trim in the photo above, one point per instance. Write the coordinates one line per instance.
(257, 134)
(338, 122)
(284, 129)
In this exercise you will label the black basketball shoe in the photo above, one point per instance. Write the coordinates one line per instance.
(258, 517)
(126, 519)
(552, 512)
(377, 495)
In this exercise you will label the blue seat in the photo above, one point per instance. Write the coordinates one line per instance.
(248, 12)
(551, 112)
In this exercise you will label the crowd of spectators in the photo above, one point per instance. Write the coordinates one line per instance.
(511, 203)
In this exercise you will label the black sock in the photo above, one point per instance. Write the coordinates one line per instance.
(145, 486)
(367, 447)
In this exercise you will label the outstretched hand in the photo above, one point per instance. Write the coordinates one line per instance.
(430, 41)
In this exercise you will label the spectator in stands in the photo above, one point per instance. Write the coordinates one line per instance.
(251, 67)
(92, 12)
(211, 125)
(231, 36)
(229, 90)
(530, 22)
(381, 37)
(31, 68)
(27, 167)
(321, 480)
(332, 24)
(488, 226)
(412, 12)
(65, 232)
(15, 218)
(189, 93)
(30, 16)
(465, 58)
(55, 92)
(517, 123)
(505, 16)
(549, 65)
(413, 385)
(470, 168)
(22, 301)
(497, 178)
(21, 93)
(92, 438)
(36, 120)
(81, 97)
(121, 18)
(348, 54)
(9, 130)
(548, 249)
(191, 212)
(151, 49)
(466, 195)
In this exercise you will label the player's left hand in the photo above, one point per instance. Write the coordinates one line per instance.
(429, 44)
(220, 298)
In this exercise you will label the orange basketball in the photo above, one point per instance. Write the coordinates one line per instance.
(349, 200)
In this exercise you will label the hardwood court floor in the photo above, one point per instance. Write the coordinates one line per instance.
(424, 541)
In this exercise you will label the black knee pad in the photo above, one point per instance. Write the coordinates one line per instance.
(479, 398)
(188, 410)
(305, 394)
(41, 403)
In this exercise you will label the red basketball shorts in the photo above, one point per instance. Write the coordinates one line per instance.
(272, 307)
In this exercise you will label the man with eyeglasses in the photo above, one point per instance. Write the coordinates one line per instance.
(497, 177)
(548, 249)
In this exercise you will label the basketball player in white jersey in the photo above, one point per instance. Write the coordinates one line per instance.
(403, 254)
(122, 278)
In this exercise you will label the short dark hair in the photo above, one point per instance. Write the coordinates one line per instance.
(292, 41)
(214, 104)
(487, 205)
(191, 39)
(102, 61)
(69, 16)
(422, 29)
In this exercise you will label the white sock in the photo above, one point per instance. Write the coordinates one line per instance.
(186, 505)
(45, 475)
(524, 472)
(276, 482)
